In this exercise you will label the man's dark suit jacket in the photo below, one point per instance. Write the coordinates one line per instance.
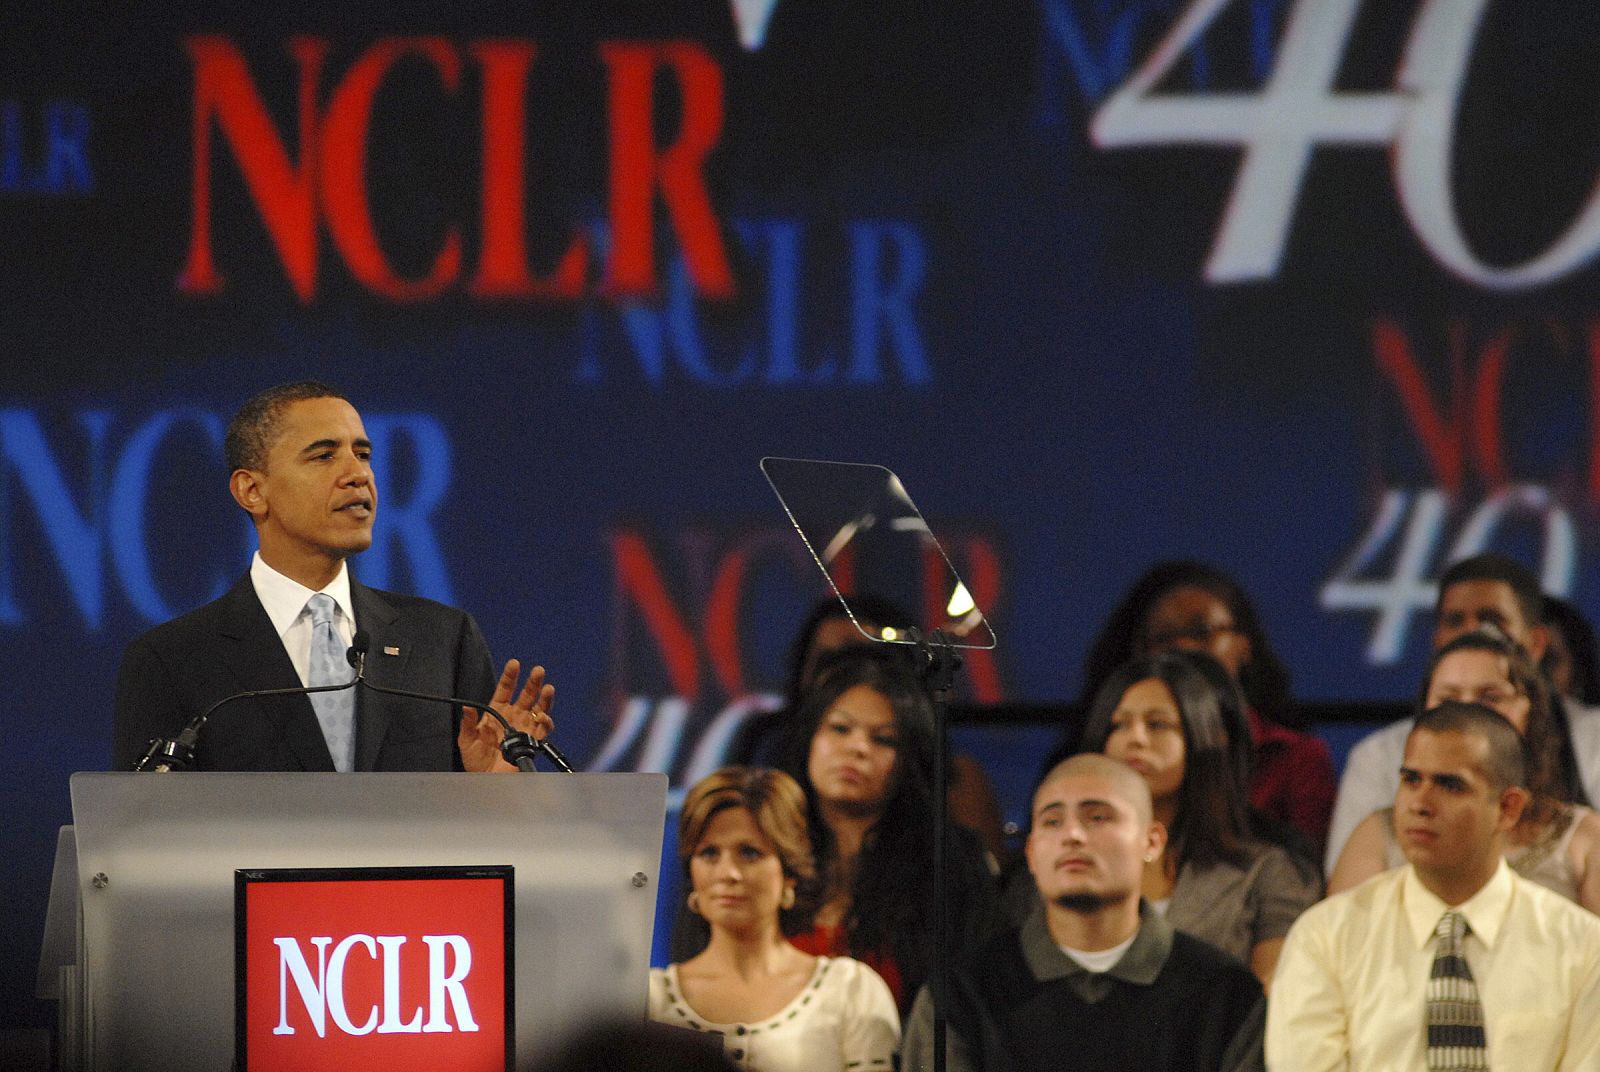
(179, 669)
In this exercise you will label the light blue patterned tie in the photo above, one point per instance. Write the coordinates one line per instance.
(336, 711)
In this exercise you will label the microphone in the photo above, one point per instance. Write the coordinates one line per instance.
(177, 753)
(518, 747)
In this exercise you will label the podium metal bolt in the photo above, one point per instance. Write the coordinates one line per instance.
(640, 879)
(100, 881)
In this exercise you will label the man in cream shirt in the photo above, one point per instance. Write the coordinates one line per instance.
(1353, 990)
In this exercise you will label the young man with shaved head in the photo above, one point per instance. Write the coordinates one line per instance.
(300, 465)
(1094, 979)
(1452, 961)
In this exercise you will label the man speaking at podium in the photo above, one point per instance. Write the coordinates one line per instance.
(300, 466)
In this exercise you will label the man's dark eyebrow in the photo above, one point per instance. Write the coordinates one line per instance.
(1046, 807)
(1096, 804)
(1447, 779)
(328, 444)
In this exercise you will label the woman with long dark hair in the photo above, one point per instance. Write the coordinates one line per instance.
(1165, 716)
(1182, 605)
(1556, 843)
(827, 630)
(861, 745)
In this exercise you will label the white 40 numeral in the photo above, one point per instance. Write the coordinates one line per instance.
(1298, 110)
(1409, 589)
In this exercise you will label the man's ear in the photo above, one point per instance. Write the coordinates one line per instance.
(1512, 803)
(1538, 642)
(1156, 841)
(248, 487)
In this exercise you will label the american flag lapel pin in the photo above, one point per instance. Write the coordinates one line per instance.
(389, 649)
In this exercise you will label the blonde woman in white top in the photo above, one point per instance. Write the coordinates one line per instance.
(743, 839)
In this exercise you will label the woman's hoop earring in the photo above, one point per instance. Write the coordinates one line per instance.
(694, 902)
(788, 898)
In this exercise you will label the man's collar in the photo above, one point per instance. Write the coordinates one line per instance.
(1139, 965)
(283, 597)
(1485, 910)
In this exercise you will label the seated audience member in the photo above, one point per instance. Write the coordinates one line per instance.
(1190, 606)
(1487, 590)
(862, 748)
(1555, 843)
(1162, 717)
(742, 837)
(828, 629)
(1095, 979)
(1453, 961)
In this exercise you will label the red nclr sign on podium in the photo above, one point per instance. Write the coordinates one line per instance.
(382, 969)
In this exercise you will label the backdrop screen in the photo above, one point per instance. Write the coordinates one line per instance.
(1304, 288)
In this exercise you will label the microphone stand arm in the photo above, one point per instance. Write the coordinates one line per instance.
(177, 753)
(166, 754)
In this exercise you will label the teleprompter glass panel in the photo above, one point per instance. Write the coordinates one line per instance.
(869, 538)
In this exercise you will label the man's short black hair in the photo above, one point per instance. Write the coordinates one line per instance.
(1491, 566)
(255, 426)
(1507, 764)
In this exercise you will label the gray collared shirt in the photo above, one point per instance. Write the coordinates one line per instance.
(1139, 965)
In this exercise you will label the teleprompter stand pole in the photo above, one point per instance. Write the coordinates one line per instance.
(938, 661)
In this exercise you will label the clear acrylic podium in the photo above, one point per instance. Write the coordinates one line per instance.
(148, 982)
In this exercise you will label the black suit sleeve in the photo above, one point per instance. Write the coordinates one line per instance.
(475, 674)
(148, 705)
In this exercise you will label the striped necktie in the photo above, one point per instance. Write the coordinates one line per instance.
(1456, 1041)
(336, 711)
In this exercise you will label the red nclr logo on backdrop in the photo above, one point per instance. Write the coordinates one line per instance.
(387, 969)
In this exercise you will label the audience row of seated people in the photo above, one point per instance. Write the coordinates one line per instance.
(1556, 843)
(1169, 914)
(1484, 593)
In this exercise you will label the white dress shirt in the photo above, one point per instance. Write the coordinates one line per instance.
(284, 600)
(1350, 989)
